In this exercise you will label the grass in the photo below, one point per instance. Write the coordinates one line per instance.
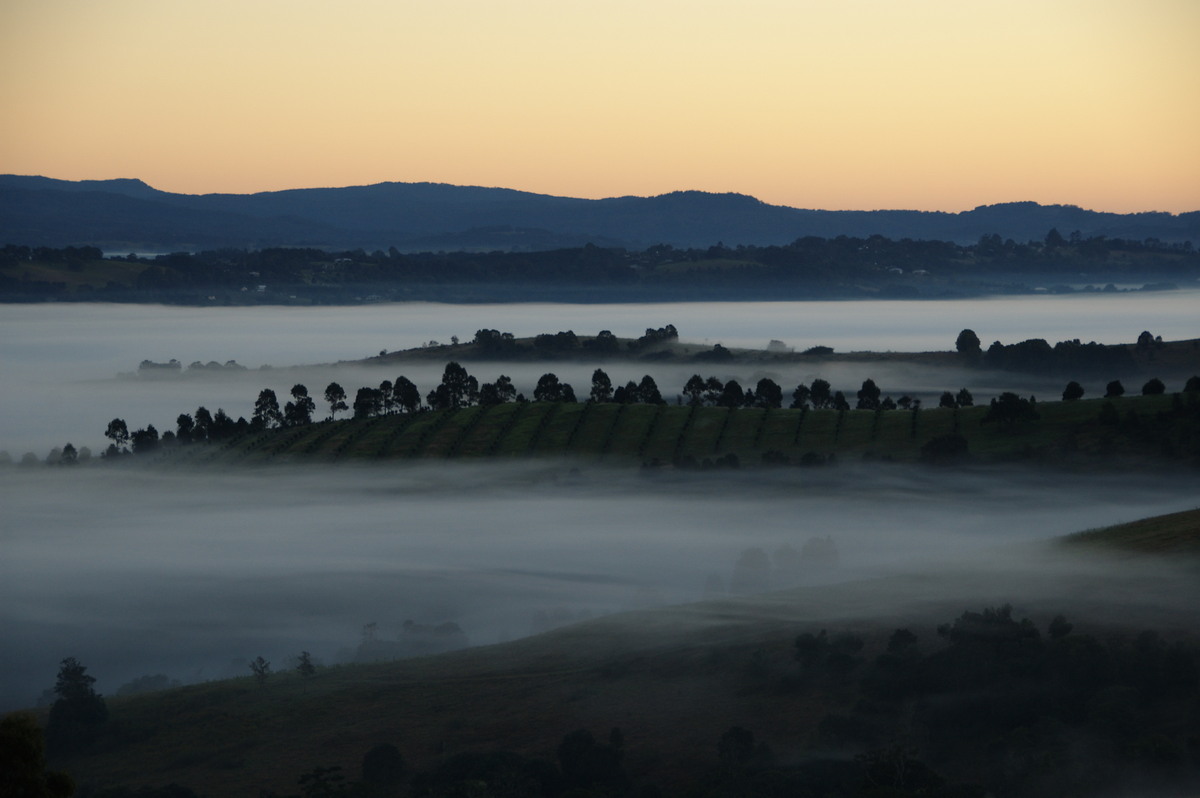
(1177, 533)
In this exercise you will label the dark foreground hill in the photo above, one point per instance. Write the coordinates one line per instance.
(928, 680)
(128, 214)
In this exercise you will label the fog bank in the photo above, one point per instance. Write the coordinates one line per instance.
(191, 574)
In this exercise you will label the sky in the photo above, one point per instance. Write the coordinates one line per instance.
(838, 104)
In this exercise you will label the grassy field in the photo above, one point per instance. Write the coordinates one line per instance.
(1177, 533)
(1146, 428)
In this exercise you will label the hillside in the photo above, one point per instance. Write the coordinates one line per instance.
(128, 214)
(676, 680)
(1148, 429)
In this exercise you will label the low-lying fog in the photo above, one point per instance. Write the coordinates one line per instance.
(192, 574)
(60, 361)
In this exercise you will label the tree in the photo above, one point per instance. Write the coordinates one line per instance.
(1114, 389)
(819, 394)
(299, 412)
(69, 455)
(1154, 387)
(964, 398)
(261, 669)
(335, 395)
(266, 411)
(947, 400)
(694, 390)
(387, 396)
(549, 389)
(457, 389)
(145, 440)
(407, 396)
(602, 389)
(868, 395)
(184, 426)
(202, 428)
(79, 713)
(732, 396)
(968, 344)
(1072, 392)
(1192, 385)
(801, 397)
(367, 402)
(118, 433)
(768, 394)
(648, 392)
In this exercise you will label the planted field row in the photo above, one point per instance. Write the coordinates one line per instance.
(669, 434)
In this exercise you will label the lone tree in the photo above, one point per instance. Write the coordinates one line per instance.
(79, 713)
(968, 345)
(335, 395)
(1154, 387)
(1114, 389)
(1072, 392)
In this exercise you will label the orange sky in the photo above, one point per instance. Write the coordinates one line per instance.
(927, 104)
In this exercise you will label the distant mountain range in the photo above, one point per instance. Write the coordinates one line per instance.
(127, 214)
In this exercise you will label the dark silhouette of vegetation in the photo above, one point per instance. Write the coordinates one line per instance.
(78, 714)
(1072, 392)
(23, 772)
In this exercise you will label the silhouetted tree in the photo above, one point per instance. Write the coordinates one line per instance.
(648, 392)
(801, 396)
(968, 344)
(408, 397)
(78, 713)
(768, 394)
(732, 396)
(693, 390)
(1153, 387)
(266, 411)
(367, 402)
(964, 398)
(498, 392)
(602, 389)
(868, 395)
(947, 400)
(144, 441)
(819, 394)
(457, 389)
(335, 395)
(202, 427)
(1114, 389)
(184, 425)
(549, 389)
(69, 455)
(299, 412)
(118, 433)
(1072, 392)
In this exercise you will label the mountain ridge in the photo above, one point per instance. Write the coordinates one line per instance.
(42, 211)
